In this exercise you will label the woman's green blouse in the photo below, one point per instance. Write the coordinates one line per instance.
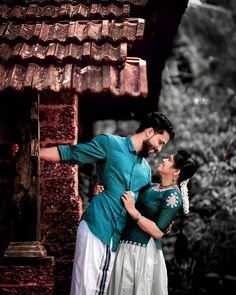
(161, 206)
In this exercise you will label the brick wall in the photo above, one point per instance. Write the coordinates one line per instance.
(60, 204)
(26, 276)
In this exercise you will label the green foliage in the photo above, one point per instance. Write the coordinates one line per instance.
(199, 96)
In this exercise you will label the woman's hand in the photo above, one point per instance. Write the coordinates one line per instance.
(128, 200)
(98, 188)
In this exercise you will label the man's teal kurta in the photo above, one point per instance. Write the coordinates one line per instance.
(119, 169)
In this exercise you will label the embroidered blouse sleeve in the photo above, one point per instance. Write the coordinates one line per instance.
(170, 206)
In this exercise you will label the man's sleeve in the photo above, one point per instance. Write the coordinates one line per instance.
(170, 207)
(85, 153)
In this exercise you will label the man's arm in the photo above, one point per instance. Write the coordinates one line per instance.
(83, 153)
(50, 154)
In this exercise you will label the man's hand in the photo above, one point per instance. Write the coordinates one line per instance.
(14, 149)
(169, 228)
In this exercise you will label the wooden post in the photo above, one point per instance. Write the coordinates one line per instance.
(26, 198)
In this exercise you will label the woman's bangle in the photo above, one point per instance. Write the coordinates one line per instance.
(137, 218)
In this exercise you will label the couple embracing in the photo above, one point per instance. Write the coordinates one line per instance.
(118, 248)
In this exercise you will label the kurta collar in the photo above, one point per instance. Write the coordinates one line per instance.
(130, 144)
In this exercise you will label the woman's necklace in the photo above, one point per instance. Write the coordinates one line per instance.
(165, 186)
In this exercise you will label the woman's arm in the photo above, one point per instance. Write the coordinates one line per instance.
(144, 223)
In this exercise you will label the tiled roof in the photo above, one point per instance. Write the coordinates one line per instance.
(64, 11)
(87, 51)
(70, 44)
(97, 30)
(129, 80)
(134, 2)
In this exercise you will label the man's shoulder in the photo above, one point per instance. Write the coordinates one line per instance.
(109, 135)
(110, 140)
(114, 138)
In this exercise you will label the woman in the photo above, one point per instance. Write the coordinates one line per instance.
(140, 266)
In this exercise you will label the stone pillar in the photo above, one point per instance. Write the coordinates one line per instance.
(60, 204)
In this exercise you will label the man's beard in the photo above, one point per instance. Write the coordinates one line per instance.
(146, 148)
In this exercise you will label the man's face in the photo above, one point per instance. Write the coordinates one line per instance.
(154, 143)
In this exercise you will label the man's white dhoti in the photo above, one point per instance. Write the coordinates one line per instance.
(93, 263)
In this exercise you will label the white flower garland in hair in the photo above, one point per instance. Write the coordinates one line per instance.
(184, 193)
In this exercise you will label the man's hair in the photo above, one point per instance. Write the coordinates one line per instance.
(158, 122)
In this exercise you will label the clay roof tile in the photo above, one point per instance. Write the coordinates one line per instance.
(129, 80)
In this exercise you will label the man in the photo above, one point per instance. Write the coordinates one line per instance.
(120, 167)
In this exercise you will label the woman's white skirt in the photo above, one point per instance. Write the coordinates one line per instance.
(139, 270)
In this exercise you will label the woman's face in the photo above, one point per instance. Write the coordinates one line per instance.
(167, 166)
